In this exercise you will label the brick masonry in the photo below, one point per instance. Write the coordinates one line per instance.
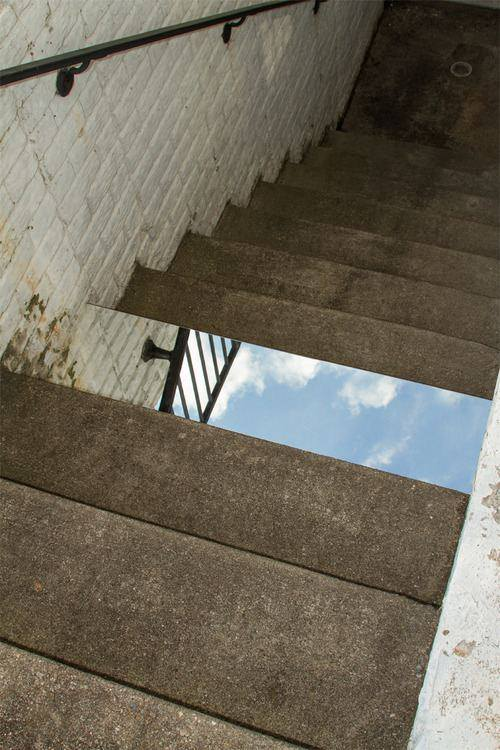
(148, 145)
(105, 355)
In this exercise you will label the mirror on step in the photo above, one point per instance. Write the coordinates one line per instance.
(367, 418)
(362, 417)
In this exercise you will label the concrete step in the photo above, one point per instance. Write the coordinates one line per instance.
(344, 520)
(482, 184)
(468, 273)
(321, 172)
(457, 170)
(44, 704)
(296, 654)
(370, 215)
(331, 335)
(322, 283)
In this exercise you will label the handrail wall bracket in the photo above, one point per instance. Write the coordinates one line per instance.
(66, 78)
(228, 28)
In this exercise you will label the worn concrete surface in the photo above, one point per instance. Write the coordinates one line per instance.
(295, 653)
(359, 157)
(416, 161)
(324, 284)
(369, 215)
(342, 338)
(357, 523)
(45, 705)
(322, 171)
(469, 273)
(406, 89)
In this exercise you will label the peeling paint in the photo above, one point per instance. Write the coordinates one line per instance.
(457, 710)
(464, 648)
(495, 556)
(42, 349)
(492, 501)
(36, 304)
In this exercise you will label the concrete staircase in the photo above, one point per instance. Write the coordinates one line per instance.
(230, 592)
(393, 283)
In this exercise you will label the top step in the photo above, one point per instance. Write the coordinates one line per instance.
(413, 155)
(395, 160)
(322, 171)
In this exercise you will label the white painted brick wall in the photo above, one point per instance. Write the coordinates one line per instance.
(149, 144)
(114, 340)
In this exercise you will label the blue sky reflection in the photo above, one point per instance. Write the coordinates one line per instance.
(410, 429)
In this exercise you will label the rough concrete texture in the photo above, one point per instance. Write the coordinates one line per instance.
(304, 656)
(321, 171)
(330, 335)
(340, 287)
(415, 159)
(349, 521)
(468, 273)
(354, 154)
(49, 706)
(481, 3)
(407, 91)
(336, 207)
(368, 163)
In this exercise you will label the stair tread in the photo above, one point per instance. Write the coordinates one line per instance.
(409, 154)
(323, 283)
(330, 335)
(362, 213)
(359, 524)
(97, 713)
(480, 184)
(450, 268)
(280, 649)
(321, 172)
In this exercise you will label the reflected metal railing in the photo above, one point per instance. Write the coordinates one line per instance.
(199, 365)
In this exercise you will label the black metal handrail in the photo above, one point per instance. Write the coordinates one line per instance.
(83, 57)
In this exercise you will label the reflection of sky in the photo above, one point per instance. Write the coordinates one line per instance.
(402, 427)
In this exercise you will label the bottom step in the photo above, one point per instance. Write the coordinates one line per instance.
(44, 705)
(296, 654)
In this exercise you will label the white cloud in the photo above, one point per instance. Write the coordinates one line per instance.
(245, 374)
(383, 455)
(369, 390)
(449, 397)
(291, 369)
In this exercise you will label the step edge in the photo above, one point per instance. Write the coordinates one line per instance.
(283, 179)
(246, 551)
(401, 145)
(415, 213)
(223, 284)
(256, 212)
